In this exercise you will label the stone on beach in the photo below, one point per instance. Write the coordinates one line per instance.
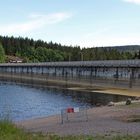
(128, 101)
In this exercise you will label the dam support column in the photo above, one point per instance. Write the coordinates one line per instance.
(132, 77)
(116, 75)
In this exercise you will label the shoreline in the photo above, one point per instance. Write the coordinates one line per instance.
(106, 120)
(103, 120)
(121, 103)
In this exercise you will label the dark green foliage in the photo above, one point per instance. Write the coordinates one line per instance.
(137, 55)
(40, 51)
(2, 54)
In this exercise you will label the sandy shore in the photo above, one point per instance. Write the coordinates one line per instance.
(101, 120)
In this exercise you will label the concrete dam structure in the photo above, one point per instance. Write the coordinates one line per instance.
(112, 73)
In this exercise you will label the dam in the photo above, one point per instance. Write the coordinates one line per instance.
(112, 73)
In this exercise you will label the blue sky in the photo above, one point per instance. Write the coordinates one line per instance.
(87, 23)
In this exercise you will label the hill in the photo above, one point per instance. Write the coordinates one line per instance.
(126, 48)
(40, 51)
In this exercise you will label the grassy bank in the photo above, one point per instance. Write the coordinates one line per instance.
(9, 131)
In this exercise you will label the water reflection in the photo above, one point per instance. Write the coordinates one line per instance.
(91, 98)
(30, 101)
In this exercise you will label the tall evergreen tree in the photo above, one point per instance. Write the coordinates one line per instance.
(41, 51)
(2, 54)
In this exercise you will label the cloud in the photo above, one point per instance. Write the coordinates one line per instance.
(34, 22)
(133, 1)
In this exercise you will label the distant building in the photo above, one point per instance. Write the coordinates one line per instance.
(13, 59)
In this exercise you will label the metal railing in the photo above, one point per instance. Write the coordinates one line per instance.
(106, 63)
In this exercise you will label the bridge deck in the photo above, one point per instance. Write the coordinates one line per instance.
(103, 63)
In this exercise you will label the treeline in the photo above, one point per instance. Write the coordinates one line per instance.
(2, 54)
(40, 51)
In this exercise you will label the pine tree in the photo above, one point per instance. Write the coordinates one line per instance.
(2, 54)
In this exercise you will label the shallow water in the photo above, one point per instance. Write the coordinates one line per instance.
(24, 102)
(20, 102)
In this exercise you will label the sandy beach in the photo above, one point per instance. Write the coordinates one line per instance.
(114, 120)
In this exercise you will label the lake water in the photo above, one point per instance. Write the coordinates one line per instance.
(22, 102)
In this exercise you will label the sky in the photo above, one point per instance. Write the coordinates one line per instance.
(86, 23)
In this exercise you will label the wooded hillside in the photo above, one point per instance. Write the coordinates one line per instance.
(40, 51)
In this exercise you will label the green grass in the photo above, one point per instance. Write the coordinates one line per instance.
(9, 131)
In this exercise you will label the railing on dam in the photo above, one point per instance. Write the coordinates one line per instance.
(103, 63)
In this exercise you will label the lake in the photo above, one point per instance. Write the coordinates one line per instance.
(22, 102)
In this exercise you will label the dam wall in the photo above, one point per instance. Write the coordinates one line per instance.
(112, 73)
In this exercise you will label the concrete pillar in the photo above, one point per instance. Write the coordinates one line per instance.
(91, 74)
(117, 74)
(131, 80)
